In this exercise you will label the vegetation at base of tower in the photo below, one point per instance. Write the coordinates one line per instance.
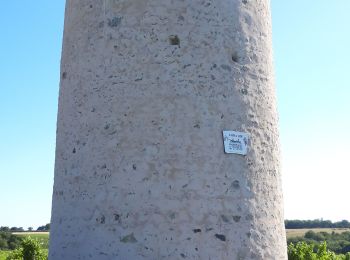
(29, 250)
(337, 242)
(11, 243)
(306, 241)
(304, 251)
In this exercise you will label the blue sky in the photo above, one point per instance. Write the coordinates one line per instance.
(311, 47)
(30, 46)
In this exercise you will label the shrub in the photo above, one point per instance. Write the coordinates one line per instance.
(9, 241)
(304, 251)
(29, 250)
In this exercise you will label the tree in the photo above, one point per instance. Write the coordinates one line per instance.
(16, 229)
(44, 228)
(5, 229)
(316, 223)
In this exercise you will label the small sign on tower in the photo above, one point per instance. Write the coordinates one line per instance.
(235, 142)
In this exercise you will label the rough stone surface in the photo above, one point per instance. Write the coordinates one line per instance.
(147, 87)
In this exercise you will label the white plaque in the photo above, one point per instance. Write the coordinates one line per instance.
(235, 142)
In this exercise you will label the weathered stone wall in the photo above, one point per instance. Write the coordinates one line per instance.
(147, 87)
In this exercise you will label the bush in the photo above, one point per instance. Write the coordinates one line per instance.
(29, 250)
(9, 241)
(304, 251)
(339, 243)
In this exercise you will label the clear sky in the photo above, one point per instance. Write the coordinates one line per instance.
(312, 54)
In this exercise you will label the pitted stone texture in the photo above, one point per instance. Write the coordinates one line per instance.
(146, 89)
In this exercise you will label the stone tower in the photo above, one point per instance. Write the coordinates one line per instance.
(147, 89)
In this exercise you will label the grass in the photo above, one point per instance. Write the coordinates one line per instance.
(301, 232)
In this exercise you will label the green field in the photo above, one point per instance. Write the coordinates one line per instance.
(301, 232)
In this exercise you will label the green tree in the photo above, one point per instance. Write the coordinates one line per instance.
(44, 228)
(5, 229)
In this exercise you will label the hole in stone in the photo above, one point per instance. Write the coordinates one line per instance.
(244, 91)
(115, 21)
(245, 2)
(129, 239)
(235, 184)
(236, 218)
(249, 217)
(174, 40)
(221, 237)
(64, 75)
(235, 57)
(225, 219)
(74, 150)
(197, 230)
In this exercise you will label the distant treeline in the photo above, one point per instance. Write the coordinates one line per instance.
(21, 229)
(317, 223)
